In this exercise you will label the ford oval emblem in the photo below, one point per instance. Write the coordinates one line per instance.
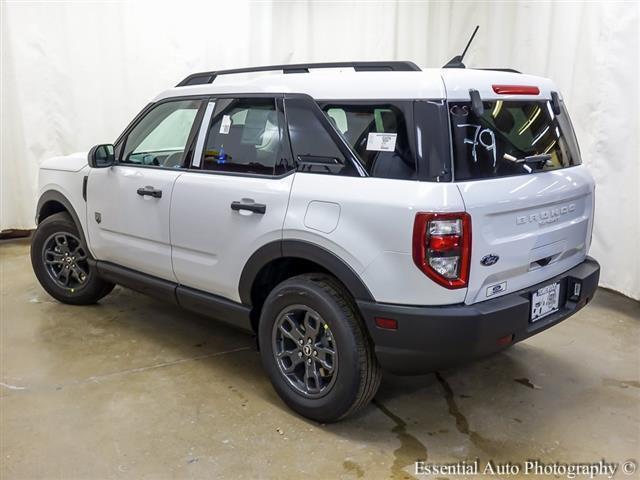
(489, 260)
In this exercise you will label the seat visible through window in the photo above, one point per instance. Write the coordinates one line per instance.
(378, 134)
(245, 137)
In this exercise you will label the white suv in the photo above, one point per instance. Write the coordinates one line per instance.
(355, 216)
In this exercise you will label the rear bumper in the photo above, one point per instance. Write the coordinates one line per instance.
(429, 338)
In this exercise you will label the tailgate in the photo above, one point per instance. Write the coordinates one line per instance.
(526, 229)
(517, 165)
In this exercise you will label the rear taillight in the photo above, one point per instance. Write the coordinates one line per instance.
(442, 247)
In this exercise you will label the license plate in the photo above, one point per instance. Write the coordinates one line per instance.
(545, 301)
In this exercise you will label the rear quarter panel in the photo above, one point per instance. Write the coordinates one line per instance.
(368, 223)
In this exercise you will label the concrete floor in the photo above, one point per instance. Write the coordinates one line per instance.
(132, 388)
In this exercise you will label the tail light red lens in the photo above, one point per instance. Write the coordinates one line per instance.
(442, 247)
(444, 242)
(516, 90)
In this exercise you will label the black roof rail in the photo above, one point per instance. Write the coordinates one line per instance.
(394, 66)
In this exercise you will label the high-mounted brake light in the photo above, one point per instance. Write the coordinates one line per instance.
(516, 90)
(442, 247)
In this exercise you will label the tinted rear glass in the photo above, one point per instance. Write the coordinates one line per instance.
(497, 143)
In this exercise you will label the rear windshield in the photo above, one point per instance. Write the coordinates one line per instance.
(510, 138)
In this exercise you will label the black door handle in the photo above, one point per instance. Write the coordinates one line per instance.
(260, 208)
(150, 191)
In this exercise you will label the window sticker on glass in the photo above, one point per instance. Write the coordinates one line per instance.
(381, 142)
(225, 125)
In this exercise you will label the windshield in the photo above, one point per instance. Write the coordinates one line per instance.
(510, 138)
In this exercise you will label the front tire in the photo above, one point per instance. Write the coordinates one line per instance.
(61, 262)
(315, 349)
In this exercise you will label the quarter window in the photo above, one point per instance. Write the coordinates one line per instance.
(315, 149)
(245, 136)
(160, 138)
(378, 134)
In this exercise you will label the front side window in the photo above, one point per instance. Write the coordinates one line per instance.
(245, 136)
(378, 134)
(160, 138)
(510, 138)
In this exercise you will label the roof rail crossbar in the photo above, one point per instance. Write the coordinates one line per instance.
(394, 66)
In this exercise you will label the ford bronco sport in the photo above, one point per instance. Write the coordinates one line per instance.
(356, 216)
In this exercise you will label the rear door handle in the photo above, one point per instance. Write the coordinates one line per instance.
(249, 206)
(150, 191)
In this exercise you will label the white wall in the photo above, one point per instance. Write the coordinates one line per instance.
(74, 75)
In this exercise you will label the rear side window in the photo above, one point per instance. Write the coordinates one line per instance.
(245, 136)
(312, 143)
(510, 138)
(378, 134)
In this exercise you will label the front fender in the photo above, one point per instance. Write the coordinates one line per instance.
(56, 196)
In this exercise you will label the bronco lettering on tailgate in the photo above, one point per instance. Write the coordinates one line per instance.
(546, 216)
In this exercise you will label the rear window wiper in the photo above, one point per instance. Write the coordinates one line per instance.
(538, 161)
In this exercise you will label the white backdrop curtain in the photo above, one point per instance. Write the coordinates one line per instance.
(75, 73)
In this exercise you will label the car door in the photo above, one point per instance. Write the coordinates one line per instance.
(234, 198)
(128, 203)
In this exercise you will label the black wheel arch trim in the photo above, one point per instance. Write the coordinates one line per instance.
(306, 251)
(56, 196)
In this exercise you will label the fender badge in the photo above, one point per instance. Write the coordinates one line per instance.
(489, 260)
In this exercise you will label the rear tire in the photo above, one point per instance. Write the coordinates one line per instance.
(318, 384)
(62, 262)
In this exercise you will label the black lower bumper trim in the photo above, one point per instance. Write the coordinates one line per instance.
(429, 338)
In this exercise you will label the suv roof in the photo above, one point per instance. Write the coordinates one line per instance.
(209, 77)
(357, 80)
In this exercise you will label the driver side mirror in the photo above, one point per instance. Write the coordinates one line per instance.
(101, 156)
